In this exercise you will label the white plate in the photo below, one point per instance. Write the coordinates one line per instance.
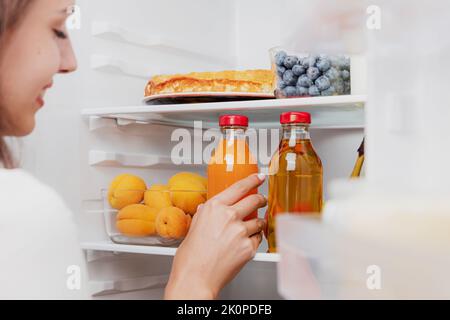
(194, 97)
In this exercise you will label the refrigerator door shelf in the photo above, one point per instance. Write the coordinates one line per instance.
(327, 112)
(320, 262)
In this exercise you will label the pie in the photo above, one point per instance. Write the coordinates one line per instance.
(248, 81)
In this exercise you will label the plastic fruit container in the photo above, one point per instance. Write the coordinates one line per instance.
(310, 75)
(161, 219)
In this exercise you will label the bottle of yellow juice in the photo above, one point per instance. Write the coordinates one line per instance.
(295, 173)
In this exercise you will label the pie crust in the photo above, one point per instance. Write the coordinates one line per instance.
(248, 81)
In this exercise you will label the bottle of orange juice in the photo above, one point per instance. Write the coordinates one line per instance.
(295, 173)
(232, 160)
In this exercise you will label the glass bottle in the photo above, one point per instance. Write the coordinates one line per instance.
(295, 173)
(232, 160)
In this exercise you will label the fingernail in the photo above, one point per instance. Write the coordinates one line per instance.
(262, 224)
(264, 199)
(262, 176)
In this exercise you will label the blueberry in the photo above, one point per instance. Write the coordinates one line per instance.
(302, 91)
(345, 74)
(313, 73)
(282, 84)
(281, 70)
(290, 61)
(314, 91)
(289, 78)
(309, 62)
(334, 61)
(298, 70)
(347, 87)
(343, 62)
(338, 84)
(301, 61)
(322, 83)
(346, 63)
(323, 64)
(290, 91)
(329, 92)
(279, 57)
(304, 81)
(332, 74)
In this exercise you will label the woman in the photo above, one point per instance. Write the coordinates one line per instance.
(40, 253)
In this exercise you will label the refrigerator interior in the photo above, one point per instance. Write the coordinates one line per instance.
(120, 45)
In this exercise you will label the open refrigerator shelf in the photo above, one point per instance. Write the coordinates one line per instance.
(327, 112)
(107, 246)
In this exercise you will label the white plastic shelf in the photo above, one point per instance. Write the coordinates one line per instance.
(113, 65)
(114, 32)
(327, 112)
(107, 246)
(133, 160)
(108, 287)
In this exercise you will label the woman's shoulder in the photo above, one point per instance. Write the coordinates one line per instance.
(20, 190)
(41, 237)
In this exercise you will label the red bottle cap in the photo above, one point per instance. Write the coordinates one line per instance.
(233, 120)
(295, 117)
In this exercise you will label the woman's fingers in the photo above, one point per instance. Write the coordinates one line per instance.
(254, 226)
(240, 189)
(256, 240)
(250, 204)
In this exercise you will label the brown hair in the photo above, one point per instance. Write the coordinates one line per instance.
(11, 13)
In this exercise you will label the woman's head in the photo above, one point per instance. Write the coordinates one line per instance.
(33, 48)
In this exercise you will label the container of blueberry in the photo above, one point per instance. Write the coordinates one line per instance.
(310, 75)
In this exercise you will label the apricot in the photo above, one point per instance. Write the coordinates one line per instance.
(137, 220)
(172, 223)
(158, 196)
(126, 189)
(189, 221)
(188, 176)
(188, 191)
(188, 195)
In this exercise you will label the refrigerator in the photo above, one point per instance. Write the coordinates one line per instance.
(95, 125)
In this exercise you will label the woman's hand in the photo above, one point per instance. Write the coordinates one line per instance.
(219, 243)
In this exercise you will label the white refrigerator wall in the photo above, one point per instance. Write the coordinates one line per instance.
(135, 40)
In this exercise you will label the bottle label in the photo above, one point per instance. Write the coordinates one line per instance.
(293, 139)
(229, 159)
(291, 160)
